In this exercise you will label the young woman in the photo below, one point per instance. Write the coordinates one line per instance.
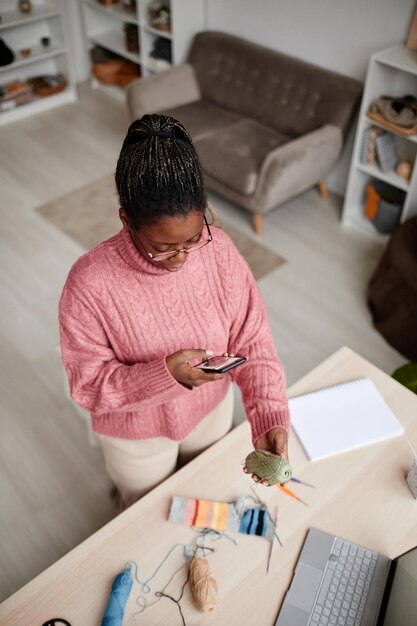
(142, 308)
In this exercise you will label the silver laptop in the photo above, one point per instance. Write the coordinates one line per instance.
(340, 583)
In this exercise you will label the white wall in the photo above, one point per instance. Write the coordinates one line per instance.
(339, 35)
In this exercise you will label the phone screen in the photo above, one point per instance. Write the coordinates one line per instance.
(221, 363)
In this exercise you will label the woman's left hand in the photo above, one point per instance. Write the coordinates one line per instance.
(276, 441)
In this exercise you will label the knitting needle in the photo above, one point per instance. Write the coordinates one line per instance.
(409, 443)
(291, 493)
(297, 480)
(272, 542)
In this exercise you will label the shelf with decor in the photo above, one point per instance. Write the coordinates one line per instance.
(367, 120)
(167, 29)
(11, 16)
(388, 177)
(37, 54)
(156, 32)
(36, 73)
(112, 34)
(39, 105)
(384, 153)
(115, 10)
(113, 40)
(164, 32)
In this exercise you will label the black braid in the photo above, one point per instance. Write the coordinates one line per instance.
(158, 172)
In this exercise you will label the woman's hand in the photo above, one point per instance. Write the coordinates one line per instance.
(180, 368)
(276, 441)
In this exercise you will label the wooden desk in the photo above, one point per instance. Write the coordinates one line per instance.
(361, 495)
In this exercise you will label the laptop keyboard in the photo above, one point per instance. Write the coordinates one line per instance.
(345, 586)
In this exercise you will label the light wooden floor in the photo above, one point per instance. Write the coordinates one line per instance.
(54, 491)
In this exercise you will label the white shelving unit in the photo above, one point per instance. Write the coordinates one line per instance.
(392, 72)
(47, 19)
(104, 27)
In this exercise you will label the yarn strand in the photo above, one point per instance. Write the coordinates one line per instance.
(189, 551)
(161, 594)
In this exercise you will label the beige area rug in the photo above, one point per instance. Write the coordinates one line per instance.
(90, 215)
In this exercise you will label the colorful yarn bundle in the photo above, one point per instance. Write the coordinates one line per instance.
(239, 516)
(203, 584)
(269, 466)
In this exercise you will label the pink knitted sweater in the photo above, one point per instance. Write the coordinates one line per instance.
(121, 316)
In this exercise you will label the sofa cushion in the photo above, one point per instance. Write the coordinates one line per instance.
(288, 94)
(243, 147)
(201, 118)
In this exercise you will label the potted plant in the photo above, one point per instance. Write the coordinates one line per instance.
(131, 37)
(407, 376)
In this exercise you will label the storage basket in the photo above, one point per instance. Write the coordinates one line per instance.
(116, 72)
(107, 72)
(383, 206)
(48, 85)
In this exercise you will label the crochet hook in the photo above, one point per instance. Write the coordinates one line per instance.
(297, 480)
(291, 493)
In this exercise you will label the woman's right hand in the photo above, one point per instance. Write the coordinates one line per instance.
(180, 368)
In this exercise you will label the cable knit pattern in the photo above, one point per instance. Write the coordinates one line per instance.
(121, 316)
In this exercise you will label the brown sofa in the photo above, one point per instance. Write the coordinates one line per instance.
(267, 126)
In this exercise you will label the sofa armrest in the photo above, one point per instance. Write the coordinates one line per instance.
(169, 89)
(297, 165)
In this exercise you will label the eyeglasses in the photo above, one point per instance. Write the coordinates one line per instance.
(163, 256)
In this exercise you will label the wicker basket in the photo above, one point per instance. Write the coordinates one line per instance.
(116, 72)
(42, 88)
(107, 72)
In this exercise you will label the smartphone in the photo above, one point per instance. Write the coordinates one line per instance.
(220, 364)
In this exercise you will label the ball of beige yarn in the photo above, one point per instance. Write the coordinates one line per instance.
(203, 584)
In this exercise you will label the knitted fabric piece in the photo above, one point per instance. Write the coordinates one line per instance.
(119, 595)
(234, 516)
(121, 316)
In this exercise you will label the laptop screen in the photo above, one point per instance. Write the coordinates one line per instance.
(401, 605)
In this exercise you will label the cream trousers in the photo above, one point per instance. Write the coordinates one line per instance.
(138, 465)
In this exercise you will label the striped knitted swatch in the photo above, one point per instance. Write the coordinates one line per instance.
(239, 516)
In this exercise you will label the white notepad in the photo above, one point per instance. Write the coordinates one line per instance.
(341, 418)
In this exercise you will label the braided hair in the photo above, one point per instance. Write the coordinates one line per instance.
(158, 172)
